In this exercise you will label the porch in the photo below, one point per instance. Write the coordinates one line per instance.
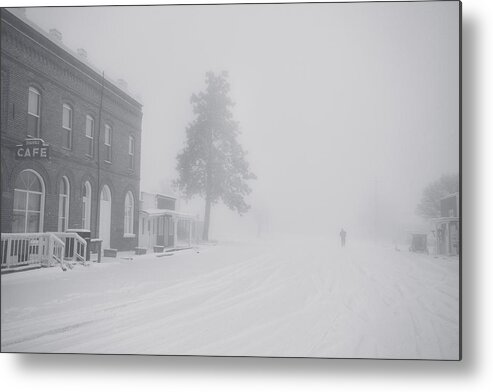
(166, 229)
(35, 250)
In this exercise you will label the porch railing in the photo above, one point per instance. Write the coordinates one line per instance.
(75, 246)
(22, 249)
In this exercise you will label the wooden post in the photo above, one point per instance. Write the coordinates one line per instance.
(175, 231)
(51, 244)
(7, 255)
(100, 245)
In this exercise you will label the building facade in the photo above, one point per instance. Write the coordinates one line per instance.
(160, 224)
(446, 228)
(70, 140)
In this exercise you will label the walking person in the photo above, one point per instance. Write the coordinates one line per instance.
(343, 237)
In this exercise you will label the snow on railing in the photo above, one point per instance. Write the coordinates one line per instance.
(75, 246)
(57, 250)
(21, 249)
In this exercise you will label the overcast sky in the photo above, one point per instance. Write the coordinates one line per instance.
(345, 109)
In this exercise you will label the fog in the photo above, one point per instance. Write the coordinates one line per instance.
(347, 111)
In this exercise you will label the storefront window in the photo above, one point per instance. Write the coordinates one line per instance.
(28, 203)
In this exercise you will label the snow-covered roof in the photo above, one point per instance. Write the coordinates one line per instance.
(454, 194)
(20, 14)
(446, 219)
(168, 196)
(162, 211)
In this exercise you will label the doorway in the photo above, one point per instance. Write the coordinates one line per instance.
(105, 217)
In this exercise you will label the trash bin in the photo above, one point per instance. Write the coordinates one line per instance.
(85, 234)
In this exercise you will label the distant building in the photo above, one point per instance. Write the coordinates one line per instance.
(70, 140)
(447, 228)
(161, 225)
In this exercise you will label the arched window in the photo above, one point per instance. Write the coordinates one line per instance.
(86, 206)
(106, 193)
(29, 199)
(34, 113)
(67, 120)
(63, 204)
(129, 213)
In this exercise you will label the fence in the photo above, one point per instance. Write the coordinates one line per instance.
(75, 246)
(19, 249)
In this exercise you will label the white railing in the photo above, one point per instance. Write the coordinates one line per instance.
(20, 249)
(57, 250)
(75, 246)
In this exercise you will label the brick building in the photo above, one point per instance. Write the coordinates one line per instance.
(53, 97)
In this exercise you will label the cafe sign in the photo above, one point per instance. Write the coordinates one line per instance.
(32, 149)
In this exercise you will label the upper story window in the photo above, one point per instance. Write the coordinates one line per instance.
(67, 120)
(108, 136)
(131, 152)
(90, 135)
(34, 113)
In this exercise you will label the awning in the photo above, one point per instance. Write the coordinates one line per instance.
(163, 212)
(446, 219)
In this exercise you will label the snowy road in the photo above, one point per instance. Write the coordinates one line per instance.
(311, 299)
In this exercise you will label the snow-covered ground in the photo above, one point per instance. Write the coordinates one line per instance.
(306, 298)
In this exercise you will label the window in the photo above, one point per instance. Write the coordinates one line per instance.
(129, 214)
(29, 198)
(86, 206)
(143, 225)
(106, 194)
(63, 204)
(108, 134)
(34, 113)
(67, 126)
(131, 152)
(90, 135)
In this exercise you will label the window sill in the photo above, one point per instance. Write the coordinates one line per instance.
(108, 162)
(129, 235)
(89, 156)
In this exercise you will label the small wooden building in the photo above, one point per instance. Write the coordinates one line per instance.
(446, 228)
(161, 225)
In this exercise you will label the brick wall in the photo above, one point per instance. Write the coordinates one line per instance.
(33, 60)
